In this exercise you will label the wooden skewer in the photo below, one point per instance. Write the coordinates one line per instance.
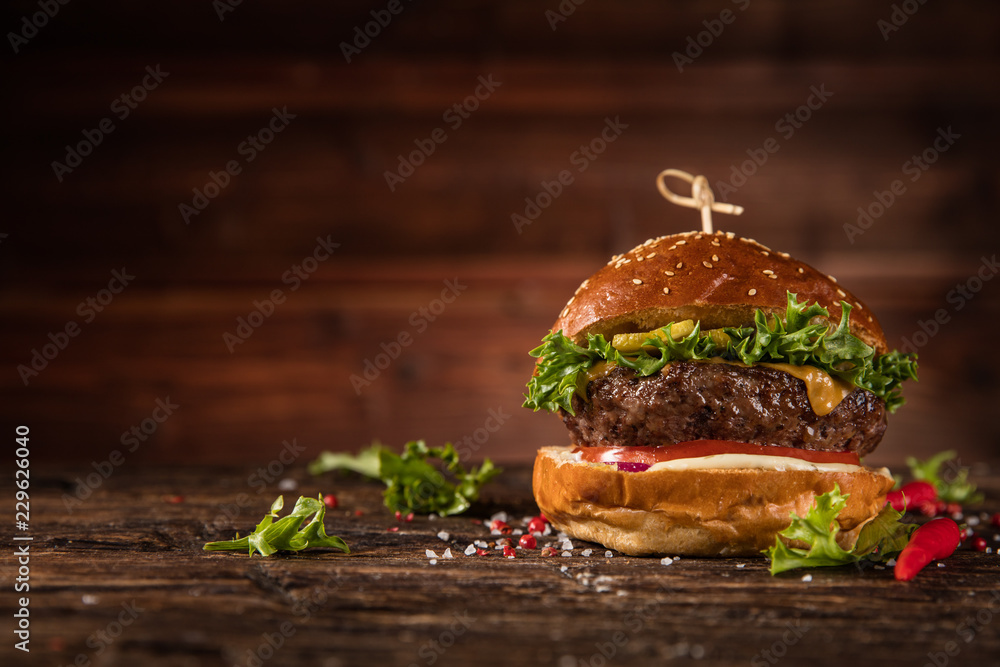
(701, 197)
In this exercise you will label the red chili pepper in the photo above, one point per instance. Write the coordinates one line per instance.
(911, 496)
(936, 539)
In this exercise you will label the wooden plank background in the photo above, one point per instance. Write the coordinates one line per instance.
(324, 176)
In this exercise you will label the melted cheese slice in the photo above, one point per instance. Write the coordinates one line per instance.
(758, 462)
(824, 391)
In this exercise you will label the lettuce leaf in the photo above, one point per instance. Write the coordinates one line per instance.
(413, 483)
(561, 370)
(287, 533)
(881, 539)
(952, 488)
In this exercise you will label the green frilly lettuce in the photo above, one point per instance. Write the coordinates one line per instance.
(562, 366)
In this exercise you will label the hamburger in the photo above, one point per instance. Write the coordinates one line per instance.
(711, 388)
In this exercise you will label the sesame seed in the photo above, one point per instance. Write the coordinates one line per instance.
(673, 247)
(773, 277)
(697, 237)
(841, 292)
(765, 253)
(716, 244)
(680, 265)
(715, 258)
(639, 258)
(669, 273)
(682, 242)
(730, 235)
(563, 313)
(752, 292)
(784, 255)
(832, 278)
(571, 300)
(651, 255)
(800, 270)
(707, 265)
(768, 272)
(627, 261)
(666, 290)
(858, 304)
(637, 281)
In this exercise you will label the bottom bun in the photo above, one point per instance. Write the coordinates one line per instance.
(702, 512)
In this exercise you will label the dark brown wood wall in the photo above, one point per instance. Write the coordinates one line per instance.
(324, 176)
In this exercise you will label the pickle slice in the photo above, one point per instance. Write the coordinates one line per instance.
(631, 343)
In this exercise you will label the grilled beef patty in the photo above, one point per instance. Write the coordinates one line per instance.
(706, 401)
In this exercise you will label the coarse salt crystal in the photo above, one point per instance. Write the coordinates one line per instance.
(563, 568)
(430, 554)
(481, 544)
(443, 535)
(471, 549)
(433, 561)
(740, 566)
(807, 577)
(518, 531)
(566, 554)
(586, 553)
(608, 554)
(972, 520)
(499, 516)
(891, 562)
(288, 485)
(940, 564)
(447, 553)
(666, 561)
(567, 545)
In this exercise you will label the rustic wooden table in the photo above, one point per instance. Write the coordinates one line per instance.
(123, 580)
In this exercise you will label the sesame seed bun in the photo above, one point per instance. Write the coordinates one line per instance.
(718, 279)
(709, 512)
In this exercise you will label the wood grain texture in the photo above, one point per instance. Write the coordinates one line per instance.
(325, 176)
(386, 604)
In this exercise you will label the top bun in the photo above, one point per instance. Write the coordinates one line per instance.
(717, 279)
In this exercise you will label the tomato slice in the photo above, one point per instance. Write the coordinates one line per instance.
(698, 448)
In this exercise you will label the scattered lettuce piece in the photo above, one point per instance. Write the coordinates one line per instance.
(366, 462)
(287, 533)
(562, 364)
(953, 488)
(413, 483)
(881, 538)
